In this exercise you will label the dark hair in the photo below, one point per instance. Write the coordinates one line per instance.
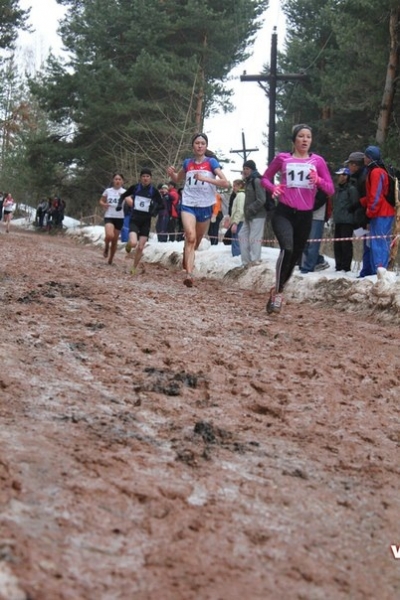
(145, 171)
(297, 128)
(210, 154)
(118, 173)
(196, 135)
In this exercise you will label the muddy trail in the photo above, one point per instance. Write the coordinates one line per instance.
(165, 443)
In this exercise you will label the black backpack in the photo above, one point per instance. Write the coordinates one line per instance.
(270, 203)
(393, 190)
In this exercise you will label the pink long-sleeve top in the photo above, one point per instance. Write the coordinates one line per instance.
(297, 190)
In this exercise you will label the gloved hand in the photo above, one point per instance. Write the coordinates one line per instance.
(119, 205)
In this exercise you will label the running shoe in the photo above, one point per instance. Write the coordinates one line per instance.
(133, 271)
(322, 266)
(128, 247)
(188, 281)
(278, 302)
(270, 300)
(275, 302)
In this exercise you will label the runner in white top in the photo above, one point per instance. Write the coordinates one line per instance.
(202, 175)
(113, 220)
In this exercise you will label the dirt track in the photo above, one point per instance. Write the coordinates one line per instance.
(160, 443)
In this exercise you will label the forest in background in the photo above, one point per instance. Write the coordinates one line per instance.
(139, 77)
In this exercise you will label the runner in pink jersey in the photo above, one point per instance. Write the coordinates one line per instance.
(302, 173)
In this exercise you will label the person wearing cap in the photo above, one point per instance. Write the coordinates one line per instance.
(358, 175)
(202, 174)
(144, 202)
(252, 232)
(381, 214)
(344, 201)
(113, 219)
(302, 173)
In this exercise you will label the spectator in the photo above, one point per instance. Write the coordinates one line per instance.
(41, 212)
(381, 214)
(252, 231)
(358, 175)
(216, 218)
(57, 212)
(311, 259)
(237, 215)
(162, 222)
(175, 212)
(344, 202)
(180, 236)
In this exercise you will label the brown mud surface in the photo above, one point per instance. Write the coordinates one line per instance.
(165, 443)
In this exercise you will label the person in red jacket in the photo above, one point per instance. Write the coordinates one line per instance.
(175, 212)
(378, 209)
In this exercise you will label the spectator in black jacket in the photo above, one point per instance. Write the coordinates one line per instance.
(358, 177)
(344, 202)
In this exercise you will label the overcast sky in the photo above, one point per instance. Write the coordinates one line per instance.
(224, 131)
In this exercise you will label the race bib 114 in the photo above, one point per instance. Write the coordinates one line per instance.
(298, 175)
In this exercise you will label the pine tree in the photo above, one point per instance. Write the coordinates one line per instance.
(141, 77)
(343, 48)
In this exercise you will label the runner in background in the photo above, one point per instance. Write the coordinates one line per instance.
(8, 209)
(144, 202)
(202, 174)
(113, 220)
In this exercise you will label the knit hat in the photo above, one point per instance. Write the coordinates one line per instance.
(297, 128)
(145, 171)
(250, 164)
(373, 153)
(355, 157)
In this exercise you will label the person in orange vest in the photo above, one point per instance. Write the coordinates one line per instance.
(216, 219)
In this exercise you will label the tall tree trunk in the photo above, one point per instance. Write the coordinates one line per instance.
(199, 110)
(391, 73)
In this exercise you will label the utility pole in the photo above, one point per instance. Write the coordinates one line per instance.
(272, 79)
(244, 152)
